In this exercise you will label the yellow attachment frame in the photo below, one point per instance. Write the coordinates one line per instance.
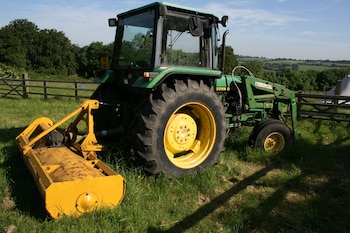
(70, 178)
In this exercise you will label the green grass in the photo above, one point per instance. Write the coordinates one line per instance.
(305, 67)
(306, 189)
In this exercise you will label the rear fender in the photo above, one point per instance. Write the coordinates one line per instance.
(153, 79)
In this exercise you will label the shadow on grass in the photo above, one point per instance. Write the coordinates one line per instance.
(22, 187)
(191, 220)
(315, 200)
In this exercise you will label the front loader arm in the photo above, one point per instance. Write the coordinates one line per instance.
(270, 98)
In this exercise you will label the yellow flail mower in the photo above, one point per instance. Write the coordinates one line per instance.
(70, 177)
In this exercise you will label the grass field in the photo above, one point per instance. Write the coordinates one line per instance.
(306, 189)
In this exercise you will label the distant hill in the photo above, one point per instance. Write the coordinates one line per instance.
(294, 64)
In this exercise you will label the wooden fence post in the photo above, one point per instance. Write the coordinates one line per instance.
(25, 85)
(300, 100)
(45, 90)
(337, 90)
(76, 90)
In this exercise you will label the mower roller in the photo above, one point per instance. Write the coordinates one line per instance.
(70, 177)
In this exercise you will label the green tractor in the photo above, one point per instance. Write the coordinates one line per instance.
(165, 98)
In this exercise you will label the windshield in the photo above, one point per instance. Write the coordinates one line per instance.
(180, 47)
(136, 36)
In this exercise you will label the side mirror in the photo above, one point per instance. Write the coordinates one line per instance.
(224, 20)
(163, 10)
(113, 22)
(196, 26)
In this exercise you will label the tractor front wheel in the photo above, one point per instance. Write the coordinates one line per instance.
(271, 135)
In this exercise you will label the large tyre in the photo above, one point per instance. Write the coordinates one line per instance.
(271, 135)
(181, 128)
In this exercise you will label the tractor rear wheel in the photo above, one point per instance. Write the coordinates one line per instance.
(181, 128)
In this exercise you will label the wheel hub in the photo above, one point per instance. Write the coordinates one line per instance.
(274, 142)
(180, 133)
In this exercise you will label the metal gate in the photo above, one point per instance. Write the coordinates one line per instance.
(326, 107)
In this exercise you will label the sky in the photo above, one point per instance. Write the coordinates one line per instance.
(297, 29)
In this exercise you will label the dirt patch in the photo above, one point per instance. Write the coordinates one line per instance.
(7, 202)
(10, 229)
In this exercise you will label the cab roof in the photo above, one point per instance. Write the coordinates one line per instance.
(171, 6)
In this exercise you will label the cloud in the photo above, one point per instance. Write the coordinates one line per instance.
(310, 33)
(279, 33)
(245, 18)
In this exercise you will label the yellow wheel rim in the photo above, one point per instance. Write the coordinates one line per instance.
(189, 135)
(274, 142)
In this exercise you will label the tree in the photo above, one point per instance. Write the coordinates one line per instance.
(27, 33)
(310, 80)
(230, 59)
(89, 57)
(12, 51)
(270, 75)
(49, 51)
(16, 42)
(55, 54)
(327, 79)
(256, 67)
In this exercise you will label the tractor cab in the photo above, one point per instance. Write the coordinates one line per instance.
(163, 35)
